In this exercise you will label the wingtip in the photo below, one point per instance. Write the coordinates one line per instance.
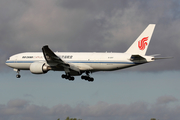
(45, 46)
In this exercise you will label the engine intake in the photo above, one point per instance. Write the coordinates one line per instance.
(38, 68)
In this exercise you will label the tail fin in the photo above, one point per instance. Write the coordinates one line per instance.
(142, 42)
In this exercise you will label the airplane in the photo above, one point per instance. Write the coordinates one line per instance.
(77, 63)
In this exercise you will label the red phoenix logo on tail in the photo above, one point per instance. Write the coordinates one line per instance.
(142, 43)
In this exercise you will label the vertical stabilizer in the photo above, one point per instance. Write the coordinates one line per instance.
(142, 42)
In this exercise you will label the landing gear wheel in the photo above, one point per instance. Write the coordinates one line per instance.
(91, 79)
(87, 77)
(18, 76)
(68, 77)
(63, 76)
(83, 77)
(71, 78)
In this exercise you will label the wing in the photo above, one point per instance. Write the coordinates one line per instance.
(52, 58)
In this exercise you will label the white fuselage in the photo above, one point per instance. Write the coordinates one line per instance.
(84, 61)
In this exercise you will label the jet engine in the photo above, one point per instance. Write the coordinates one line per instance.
(38, 68)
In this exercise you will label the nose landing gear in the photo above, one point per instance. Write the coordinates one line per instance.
(18, 73)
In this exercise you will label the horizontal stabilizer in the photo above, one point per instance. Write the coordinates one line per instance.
(158, 58)
(137, 59)
(155, 55)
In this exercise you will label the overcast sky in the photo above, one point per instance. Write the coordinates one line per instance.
(138, 93)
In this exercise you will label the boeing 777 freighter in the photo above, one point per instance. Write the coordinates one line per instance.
(77, 63)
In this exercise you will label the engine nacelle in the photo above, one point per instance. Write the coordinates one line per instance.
(38, 68)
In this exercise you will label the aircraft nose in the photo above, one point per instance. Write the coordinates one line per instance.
(7, 63)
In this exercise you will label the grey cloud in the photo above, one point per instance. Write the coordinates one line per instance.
(166, 99)
(17, 103)
(95, 6)
(89, 26)
(99, 111)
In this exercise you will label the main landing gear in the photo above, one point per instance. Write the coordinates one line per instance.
(67, 76)
(87, 77)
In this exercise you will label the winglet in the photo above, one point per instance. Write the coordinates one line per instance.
(142, 42)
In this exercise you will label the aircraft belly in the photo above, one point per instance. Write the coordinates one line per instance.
(104, 66)
(96, 66)
(83, 66)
